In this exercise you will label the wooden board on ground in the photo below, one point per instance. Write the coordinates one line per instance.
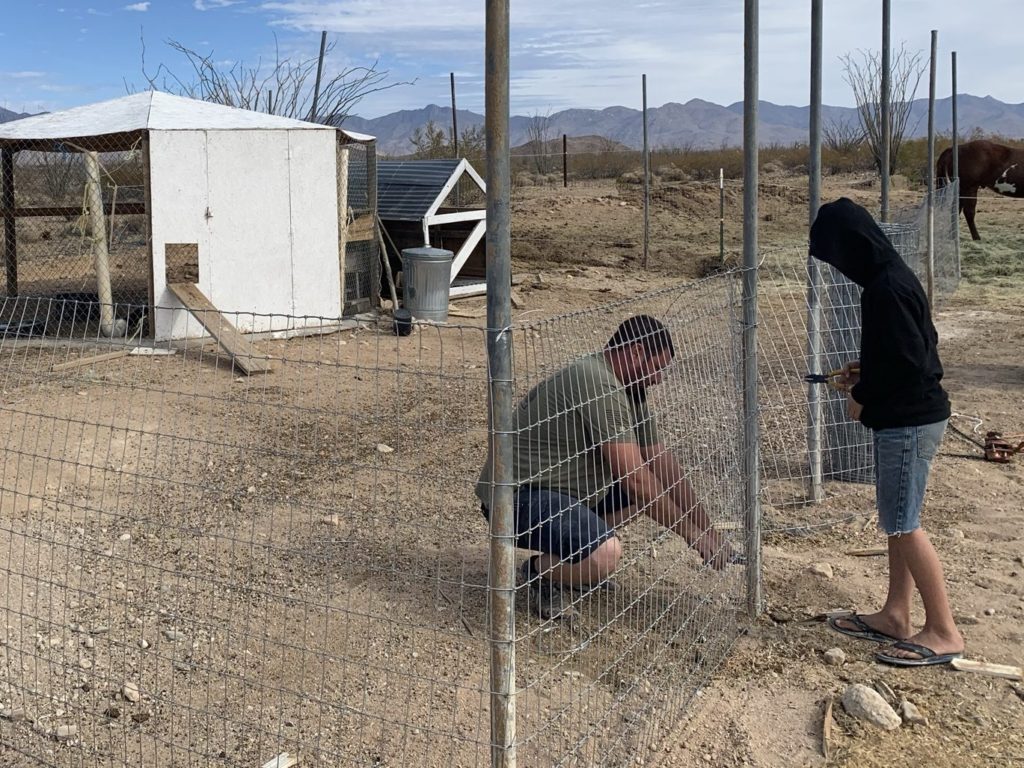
(1007, 671)
(227, 336)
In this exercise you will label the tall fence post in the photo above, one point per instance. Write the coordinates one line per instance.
(814, 357)
(752, 502)
(647, 178)
(565, 161)
(886, 117)
(10, 221)
(455, 120)
(501, 571)
(930, 233)
(956, 174)
(721, 216)
(319, 74)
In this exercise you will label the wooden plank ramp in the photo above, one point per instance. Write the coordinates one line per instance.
(230, 340)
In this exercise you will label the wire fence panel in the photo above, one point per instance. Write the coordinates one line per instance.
(199, 567)
(203, 568)
(604, 689)
(846, 454)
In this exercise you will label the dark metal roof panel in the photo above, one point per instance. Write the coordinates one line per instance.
(407, 188)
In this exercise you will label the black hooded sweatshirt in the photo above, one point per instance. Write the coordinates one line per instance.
(900, 372)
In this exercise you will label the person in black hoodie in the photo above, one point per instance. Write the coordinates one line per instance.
(895, 390)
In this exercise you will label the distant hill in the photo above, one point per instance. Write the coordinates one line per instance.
(6, 115)
(697, 124)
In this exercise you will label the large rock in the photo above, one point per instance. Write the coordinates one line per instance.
(867, 704)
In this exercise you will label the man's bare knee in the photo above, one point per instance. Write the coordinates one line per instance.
(605, 559)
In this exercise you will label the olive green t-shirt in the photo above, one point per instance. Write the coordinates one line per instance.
(560, 426)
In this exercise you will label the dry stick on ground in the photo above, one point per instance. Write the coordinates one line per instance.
(826, 729)
(1007, 671)
(83, 361)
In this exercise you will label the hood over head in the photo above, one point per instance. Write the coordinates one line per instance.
(846, 236)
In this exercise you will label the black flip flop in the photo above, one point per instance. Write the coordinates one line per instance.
(863, 630)
(929, 658)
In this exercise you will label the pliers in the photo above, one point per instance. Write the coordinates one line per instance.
(827, 378)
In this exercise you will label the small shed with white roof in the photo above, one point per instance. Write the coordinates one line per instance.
(243, 206)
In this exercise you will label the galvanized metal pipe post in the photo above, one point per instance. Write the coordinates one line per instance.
(956, 174)
(886, 96)
(814, 356)
(751, 463)
(501, 571)
(455, 120)
(647, 177)
(930, 234)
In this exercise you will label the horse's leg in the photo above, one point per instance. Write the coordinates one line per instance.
(969, 204)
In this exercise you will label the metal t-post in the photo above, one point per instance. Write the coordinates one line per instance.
(930, 234)
(751, 468)
(814, 356)
(886, 117)
(501, 570)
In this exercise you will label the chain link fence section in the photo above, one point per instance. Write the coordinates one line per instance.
(607, 688)
(55, 226)
(203, 568)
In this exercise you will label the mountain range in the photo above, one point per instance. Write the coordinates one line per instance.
(697, 124)
(6, 115)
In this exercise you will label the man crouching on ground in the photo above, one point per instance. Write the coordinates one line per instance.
(587, 459)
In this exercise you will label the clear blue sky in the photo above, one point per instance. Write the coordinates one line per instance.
(569, 53)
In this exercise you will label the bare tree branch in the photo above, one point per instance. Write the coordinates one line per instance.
(864, 75)
(281, 87)
(843, 136)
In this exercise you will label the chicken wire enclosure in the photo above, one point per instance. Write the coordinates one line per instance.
(50, 238)
(361, 264)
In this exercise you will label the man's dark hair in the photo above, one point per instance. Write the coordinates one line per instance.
(646, 330)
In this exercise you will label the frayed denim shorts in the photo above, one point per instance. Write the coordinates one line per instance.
(903, 459)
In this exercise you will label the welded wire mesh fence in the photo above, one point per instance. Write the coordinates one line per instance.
(790, 465)
(605, 688)
(199, 567)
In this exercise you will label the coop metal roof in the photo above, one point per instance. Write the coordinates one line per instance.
(148, 111)
(409, 190)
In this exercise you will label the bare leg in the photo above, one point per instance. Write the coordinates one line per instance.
(894, 618)
(939, 632)
(601, 563)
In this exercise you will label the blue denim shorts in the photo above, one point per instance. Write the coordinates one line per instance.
(903, 458)
(560, 525)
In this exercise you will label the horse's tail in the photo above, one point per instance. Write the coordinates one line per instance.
(944, 168)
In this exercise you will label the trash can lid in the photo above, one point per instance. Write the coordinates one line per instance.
(427, 253)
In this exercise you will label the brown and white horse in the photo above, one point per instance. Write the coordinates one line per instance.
(982, 164)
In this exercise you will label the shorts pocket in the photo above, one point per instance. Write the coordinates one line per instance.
(929, 437)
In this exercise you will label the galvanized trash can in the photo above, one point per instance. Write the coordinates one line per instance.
(426, 282)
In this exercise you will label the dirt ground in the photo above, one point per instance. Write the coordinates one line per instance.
(251, 555)
(765, 705)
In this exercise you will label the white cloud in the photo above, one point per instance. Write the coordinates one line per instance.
(141, 7)
(209, 5)
(23, 75)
